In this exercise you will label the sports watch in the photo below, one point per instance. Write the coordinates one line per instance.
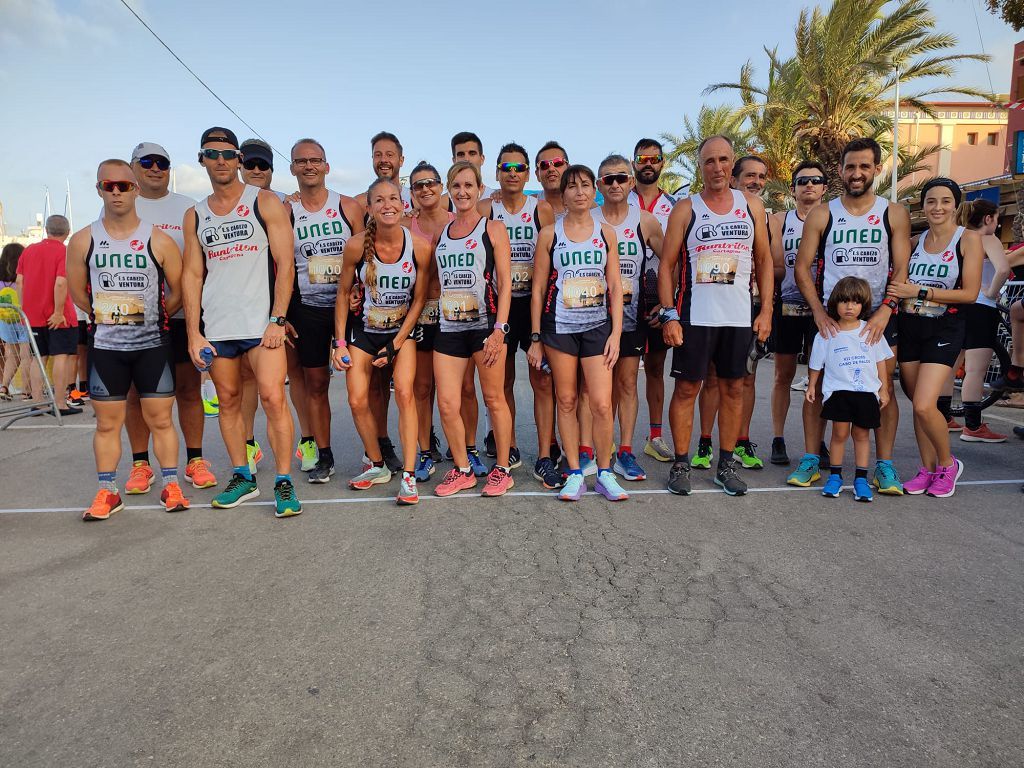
(534, 337)
(667, 314)
(277, 320)
(339, 344)
(503, 327)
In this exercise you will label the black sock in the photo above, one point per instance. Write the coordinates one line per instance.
(378, 463)
(972, 415)
(251, 442)
(470, 449)
(724, 456)
(945, 404)
(683, 457)
(193, 453)
(861, 473)
(141, 456)
(836, 469)
(326, 455)
(306, 439)
(1015, 372)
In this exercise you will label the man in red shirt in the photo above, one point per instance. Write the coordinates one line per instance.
(43, 286)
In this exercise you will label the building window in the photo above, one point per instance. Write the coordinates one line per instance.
(992, 139)
(972, 139)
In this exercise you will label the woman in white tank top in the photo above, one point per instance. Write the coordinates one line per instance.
(944, 273)
(394, 265)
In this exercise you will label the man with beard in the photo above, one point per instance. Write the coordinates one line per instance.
(863, 235)
(387, 158)
(648, 163)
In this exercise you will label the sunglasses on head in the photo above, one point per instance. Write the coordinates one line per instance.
(556, 162)
(648, 159)
(255, 164)
(803, 181)
(426, 183)
(615, 178)
(513, 167)
(227, 154)
(148, 162)
(121, 186)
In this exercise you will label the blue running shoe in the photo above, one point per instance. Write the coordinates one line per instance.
(476, 464)
(833, 486)
(424, 468)
(588, 464)
(862, 490)
(609, 487)
(574, 487)
(806, 473)
(886, 479)
(626, 465)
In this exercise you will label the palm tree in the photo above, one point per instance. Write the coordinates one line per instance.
(681, 151)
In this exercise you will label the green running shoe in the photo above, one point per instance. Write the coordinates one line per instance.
(806, 473)
(886, 479)
(239, 489)
(287, 505)
(254, 455)
(307, 454)
(744, 454)
(703, 458)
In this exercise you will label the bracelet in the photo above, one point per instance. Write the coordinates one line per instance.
(339, 344)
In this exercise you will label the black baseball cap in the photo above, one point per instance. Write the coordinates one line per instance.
(254, 149)
(216, 133)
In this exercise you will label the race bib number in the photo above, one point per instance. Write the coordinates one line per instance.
(384, 319)
(522, 277)
(460, 307)
(627, 290)
(119, 308)
(324, 270)
(717, 268)
(431, 313)
(583, 292)
(923, 308)
(796, 310)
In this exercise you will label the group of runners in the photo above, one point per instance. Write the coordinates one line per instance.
(419, 292)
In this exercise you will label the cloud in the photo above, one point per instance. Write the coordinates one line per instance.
(39, 23)
(191, 181)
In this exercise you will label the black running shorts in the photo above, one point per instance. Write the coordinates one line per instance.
(792, 334)
(315, 327)
(725, 346)
(931, 339)
(858, 408)
(113, 372)
(584, 344)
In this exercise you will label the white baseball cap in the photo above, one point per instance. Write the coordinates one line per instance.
(147, 148)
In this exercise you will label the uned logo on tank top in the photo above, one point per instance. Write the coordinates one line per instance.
(407, 267)
(137, 245)
(873, 219)
(526, 217)
(947, 256)
(330, 213)
(242, 210)
(471, 244)
(740, 213)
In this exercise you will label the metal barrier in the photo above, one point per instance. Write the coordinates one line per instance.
(20, 360)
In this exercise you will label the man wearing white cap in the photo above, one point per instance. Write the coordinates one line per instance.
(164, 209)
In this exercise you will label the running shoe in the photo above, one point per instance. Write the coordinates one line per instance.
(239, 489)
(981, 435)
(833, 486)
(140, 478)
(779, 453)
(80, 394)
(953, 425)
(627, 466)
(744, 454)
(322, 472)
(198, 473)
(73, 401)
(174, 500)
(307, 453)
(556, 454)
(71, 410)
(435, 447)
(588, 464)
(806, 473)
(548, 474)
(254, 454)
(454, 481)
(944, 480)
(1004, 383)
(211, 408)
(515, 458)
(862, 490)
(448, 454)
(800, 385)
(886, 479)
(609, 487)
(490, 446)
(498, 483)
(407, 493)
(679, 479)
(103, 505)
(574, 487)
(658, 449)
(919, 483)
(1019, 432)
(727, 479)
(702, 459)
(286, 504)
(424, 467)
(374, 475)
(387, 452)
(476, 464)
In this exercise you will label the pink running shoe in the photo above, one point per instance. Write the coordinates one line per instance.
(919, 483)
(944, 480)
(498, 483)
(455, 481)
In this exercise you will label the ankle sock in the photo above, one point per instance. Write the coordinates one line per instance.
(972, 415)
(861, 473)
(108, 481)
(169, 475)
(625, 449)
(326, 455)
(945, 405)
(281, 478)
(724, 456)
(683, 457)
(655, 431)
(586, 450)
(243, 471)
(306, 439)
(836, 469)
(141, 456)
(193, 453)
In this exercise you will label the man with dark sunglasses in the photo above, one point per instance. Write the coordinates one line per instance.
(258, 165)
(648, 163)
(238, 273)
(165, 210)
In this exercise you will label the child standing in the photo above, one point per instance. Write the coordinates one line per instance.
(851, 390)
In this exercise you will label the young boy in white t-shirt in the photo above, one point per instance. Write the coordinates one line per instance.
(851, 390)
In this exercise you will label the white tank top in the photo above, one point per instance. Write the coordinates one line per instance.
(386, 301)
(988, 273)
(575, 299)
(633, 253)
(857, 246)
(522, 230)
(661, 207)
(793, 302)
(934, 270)
(715, 288)
(320, 238)
(465, 268)
(239, 285)
(127, 290)
(167, 214)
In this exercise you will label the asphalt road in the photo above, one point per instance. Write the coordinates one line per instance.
(778, 629)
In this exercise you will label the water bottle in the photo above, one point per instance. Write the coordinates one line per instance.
(544, 365)
(206, 355)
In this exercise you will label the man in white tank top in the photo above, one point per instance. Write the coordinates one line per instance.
(235, 240)
(164, 209)
(863, 235)
(722, 235)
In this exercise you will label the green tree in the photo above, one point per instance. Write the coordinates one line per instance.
(1012, 11)
(681, 150)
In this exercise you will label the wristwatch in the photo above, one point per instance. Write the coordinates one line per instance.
(534, 337)
(339, 344)
(503, 327)
(277, 321)
(922, 294)
(668, 313)
(892, 304)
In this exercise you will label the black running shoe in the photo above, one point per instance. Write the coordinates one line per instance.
(322, 472)
(1004, 383)
(435, 447)
(679, 478)
(490, 447)
(515, 459)
(387, 452)
(545, 471)
(729, 481)
(556, 454)
(779, 455)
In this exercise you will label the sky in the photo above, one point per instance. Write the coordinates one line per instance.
(83, 80)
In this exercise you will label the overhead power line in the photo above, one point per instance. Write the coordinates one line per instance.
(197, 77)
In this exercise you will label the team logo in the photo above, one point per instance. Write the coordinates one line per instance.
(740, 214)
(628, 232)
(872, 219)
(596, 242)
(472, 244)
(842, 220)
(104, 244)
(303, 217)
(665, 208)
(526, 217)
(242, 210)
(442, 246)
(331, 213)
(407, 267)
(137, 245)
(947, 256)
(704, 216)
(789, 231)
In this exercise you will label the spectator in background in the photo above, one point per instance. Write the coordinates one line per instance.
(13, 332)
(43, 286)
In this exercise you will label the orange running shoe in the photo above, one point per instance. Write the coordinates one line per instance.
(172, 497)
(199, 474)
(103, 506)
(455, 480)
(140, 479)
(499, 482)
